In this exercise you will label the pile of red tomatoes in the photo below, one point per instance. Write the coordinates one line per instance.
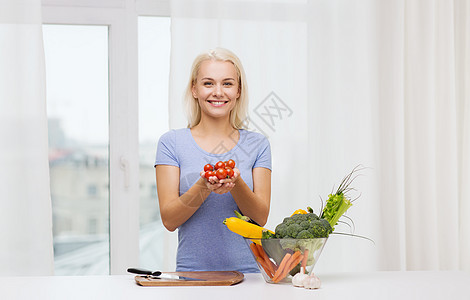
(221, 169)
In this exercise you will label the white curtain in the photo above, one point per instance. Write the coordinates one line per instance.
(25, 206)
(335, 84)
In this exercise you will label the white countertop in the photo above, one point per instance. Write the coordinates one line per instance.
(375, 285)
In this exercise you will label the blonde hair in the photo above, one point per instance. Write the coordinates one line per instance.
(238, 115)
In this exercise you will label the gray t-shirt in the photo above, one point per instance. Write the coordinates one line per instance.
(204, 242)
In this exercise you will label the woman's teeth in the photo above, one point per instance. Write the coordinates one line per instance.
(217, 102)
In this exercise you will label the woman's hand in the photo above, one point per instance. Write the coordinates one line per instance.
(221, 186)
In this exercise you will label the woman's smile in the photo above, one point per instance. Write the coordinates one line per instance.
(218, 103)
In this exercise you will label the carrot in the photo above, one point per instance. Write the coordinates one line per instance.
(293, 257)
(281, 266)
(304, 261)
(254, 249)
(293, 263)
(260, 259)
(290, 264)
(269, 263)
(265, 267)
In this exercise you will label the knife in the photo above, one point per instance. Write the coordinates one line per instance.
(160, 275)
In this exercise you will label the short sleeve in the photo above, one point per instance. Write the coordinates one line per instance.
(263, 159)
(166, 150)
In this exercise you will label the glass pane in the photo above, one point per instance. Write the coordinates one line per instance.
(77, 108)
(154, 69)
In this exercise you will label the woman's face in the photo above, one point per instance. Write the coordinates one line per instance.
(216, 88)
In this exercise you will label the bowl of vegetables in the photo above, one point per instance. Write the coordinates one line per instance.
(290, 252)
(280, 259)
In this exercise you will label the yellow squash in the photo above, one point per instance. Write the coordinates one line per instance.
(244, 228)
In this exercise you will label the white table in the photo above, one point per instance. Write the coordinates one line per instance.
(374, 285)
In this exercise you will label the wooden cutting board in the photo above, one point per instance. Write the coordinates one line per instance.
(212, 278)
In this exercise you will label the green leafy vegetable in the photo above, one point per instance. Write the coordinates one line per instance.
(339, 202)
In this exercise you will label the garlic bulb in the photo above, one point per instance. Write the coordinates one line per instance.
(311, 282)
(298, 278)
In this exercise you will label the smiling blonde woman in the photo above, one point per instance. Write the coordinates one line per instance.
(217, 100)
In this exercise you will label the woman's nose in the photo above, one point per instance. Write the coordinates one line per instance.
(217, 90)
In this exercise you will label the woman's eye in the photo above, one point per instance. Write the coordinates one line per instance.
(207, 83)
(228, 83)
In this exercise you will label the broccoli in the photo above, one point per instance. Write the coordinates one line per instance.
(305, 234)
(320, 228)
(293, 230)
(281, 230)
(303, 226)
(288, 221)
(312, 217)
(266, 234)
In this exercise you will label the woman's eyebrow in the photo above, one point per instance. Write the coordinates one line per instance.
(209, 78)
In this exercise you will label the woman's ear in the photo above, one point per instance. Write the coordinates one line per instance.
(193, 90)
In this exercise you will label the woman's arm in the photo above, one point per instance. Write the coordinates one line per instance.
(254, 204)
(175, 209)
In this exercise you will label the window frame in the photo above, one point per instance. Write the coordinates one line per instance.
(121, 17)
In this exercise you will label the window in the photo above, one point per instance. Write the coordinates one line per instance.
(77, 108)
(116, 156)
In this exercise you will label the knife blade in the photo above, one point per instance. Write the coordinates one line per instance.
(174, 277)
(160, 275)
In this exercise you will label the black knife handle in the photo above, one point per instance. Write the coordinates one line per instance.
(143, 271)
(139, 271)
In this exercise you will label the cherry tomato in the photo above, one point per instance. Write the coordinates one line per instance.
(229, 172)
(209, 174)
(208, 167)
(221, 173)
(219, 164)
(230, 163)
